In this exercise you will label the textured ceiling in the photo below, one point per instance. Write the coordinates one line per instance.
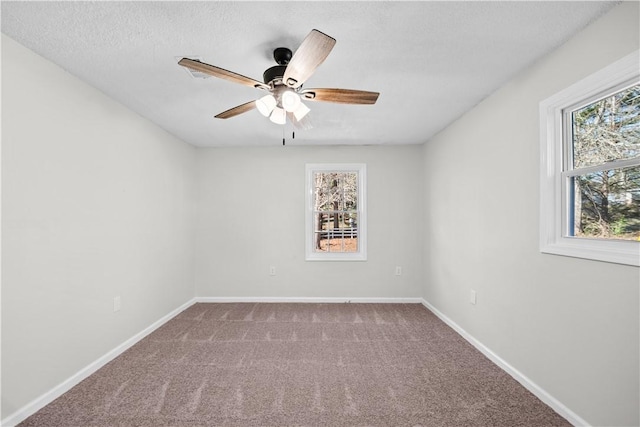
(431, 61)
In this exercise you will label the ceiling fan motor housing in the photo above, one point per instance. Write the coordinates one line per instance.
(273, 73)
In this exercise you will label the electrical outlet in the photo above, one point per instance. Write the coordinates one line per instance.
(272, 271)
(398, 271)
(117, 304)
(472, 297)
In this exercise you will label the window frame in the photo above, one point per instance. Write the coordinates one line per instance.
(361, 253)
(554, 151)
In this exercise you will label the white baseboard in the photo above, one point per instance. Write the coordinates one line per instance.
(312, 300)
(48, 397)
(540, 393)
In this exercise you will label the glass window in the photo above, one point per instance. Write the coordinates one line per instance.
(590, 166)
(336, 223)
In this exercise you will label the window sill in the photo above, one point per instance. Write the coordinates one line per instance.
(324, 256)
(613, 251)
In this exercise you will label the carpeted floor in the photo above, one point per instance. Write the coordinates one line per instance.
(300, 365)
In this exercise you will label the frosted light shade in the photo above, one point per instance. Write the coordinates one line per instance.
(266, 104)
(290, 101)
(278, 116)
(301, 111)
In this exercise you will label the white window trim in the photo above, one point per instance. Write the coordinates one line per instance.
(553, 236)
(361, 254)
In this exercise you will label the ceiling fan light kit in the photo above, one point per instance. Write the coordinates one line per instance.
(266, 104)
(290, 101)
(284, 82)
(301, 111)
(278, 116)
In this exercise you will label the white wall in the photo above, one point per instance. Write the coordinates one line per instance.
(251, 216)
(97, 202)
(570, 325)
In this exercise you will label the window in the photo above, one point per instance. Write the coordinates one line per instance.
(336, 220)
(590, 167)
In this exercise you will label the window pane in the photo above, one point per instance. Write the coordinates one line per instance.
(336, 191)
(335, 231)
(606, 204)
(608, 129)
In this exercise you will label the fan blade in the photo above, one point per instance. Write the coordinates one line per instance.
(340, 96)
(221, 73)
(237, 110)
(312, 52)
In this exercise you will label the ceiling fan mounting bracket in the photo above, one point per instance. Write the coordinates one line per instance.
(282, 55)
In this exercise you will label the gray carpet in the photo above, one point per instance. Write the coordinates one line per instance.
(300, 365)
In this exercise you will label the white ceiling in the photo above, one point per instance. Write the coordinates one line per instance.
(431, 61)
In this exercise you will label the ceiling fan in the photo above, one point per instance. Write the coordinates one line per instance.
(283, 82)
